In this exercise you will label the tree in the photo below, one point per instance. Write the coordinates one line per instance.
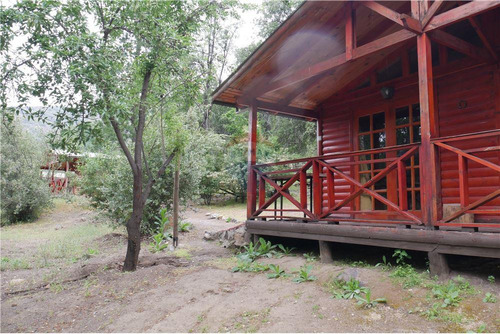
(23, 193)
(106, 64)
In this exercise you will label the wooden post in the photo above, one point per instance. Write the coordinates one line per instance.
(350, 32)
(175, 227)
(325, 252)
(430, 187)
(438, 265)
(403, 195)
(319, 136)
(252, 159)
(317, 189)
(463, 181)
(262, 191)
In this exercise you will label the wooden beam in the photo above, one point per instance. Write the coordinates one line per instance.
(252, 159)
(460, 13)
(431, 12)
(326, 65)
(459, 45)
(477, 27)
(350, 31)
(430, 192)
(290, 111)
(402, 19)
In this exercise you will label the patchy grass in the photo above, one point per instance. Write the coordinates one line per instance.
(182, 253)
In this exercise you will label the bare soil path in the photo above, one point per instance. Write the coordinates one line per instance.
(193, 288)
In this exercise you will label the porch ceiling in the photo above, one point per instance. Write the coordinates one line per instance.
(314, 33)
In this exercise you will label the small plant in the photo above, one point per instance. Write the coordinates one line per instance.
(491, 279)
(386, 265)
(92, 251)
(266, 248)
(286, 250)
(408, 276)
(347, 290)
(305, 275)
(248, 266)
(276, 272)
(159, 242)
(401, 256)
(367, 301)
(185, 227)
(434, 312)
(449, 293)
(250, 253)
(310, 257)
(489, 298)
(480, 329)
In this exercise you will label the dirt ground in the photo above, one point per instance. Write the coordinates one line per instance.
(193, 289)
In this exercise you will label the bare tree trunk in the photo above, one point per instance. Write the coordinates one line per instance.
(133, 227)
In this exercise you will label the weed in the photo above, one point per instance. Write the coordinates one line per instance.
(253, 251)
(13, 264)
(408, 276)
(265, 248)
(56, 287)
(305, 275)
(185, 227)
(286, 250)
(347, 289)
(276, 272)
(480, 329)
(491, 279)
(88, 284)
(248, 266)
(448, 293)
(316, 312)
(385, 265)
(464, 285)
(310, 257)
(434, 312)
(159, 242)
(489, 298)
(367, 301)
(401, 256)
(182, 253)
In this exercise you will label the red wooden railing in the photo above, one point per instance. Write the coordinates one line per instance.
(316, 178)
(464, 157)
(323, 172)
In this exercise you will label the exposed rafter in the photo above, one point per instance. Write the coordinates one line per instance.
(309, 115)
(477, 27)
(459, 45)
(402, 19)
(431, 12)
(460, 13)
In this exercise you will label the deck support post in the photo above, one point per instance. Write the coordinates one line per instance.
(252, 159)
(255, 239)
(438, 265)
(325, 252)
(429, 171)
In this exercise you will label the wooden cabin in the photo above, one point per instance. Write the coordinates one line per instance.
(406, 98)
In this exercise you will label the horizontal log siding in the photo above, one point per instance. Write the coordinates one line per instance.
(477, 88)
(337, 132)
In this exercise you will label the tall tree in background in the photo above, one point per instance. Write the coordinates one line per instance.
(105, 63)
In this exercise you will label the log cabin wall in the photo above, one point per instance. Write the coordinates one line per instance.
(478, 87)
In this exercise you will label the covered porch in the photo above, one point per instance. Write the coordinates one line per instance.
(406, 97)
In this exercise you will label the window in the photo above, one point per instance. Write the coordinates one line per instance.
(408, 132)
(371, 135)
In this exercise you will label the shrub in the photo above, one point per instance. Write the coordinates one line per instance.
(23, 192)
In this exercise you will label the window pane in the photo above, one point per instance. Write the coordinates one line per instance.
(416, 134)
(403, 136)
(379, 205)
(379, 140)
(381, 184)
(417, 177)
(379, 121)
(408, 200)
(402, 116)
(417, 200)
(364, 124)
(364, 142)
(415, 112)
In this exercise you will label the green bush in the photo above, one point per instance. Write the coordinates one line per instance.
(23, 192)
(107, 180)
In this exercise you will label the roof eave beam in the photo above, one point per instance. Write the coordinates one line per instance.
(477, 27)
(308, 115)
(460, 13)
